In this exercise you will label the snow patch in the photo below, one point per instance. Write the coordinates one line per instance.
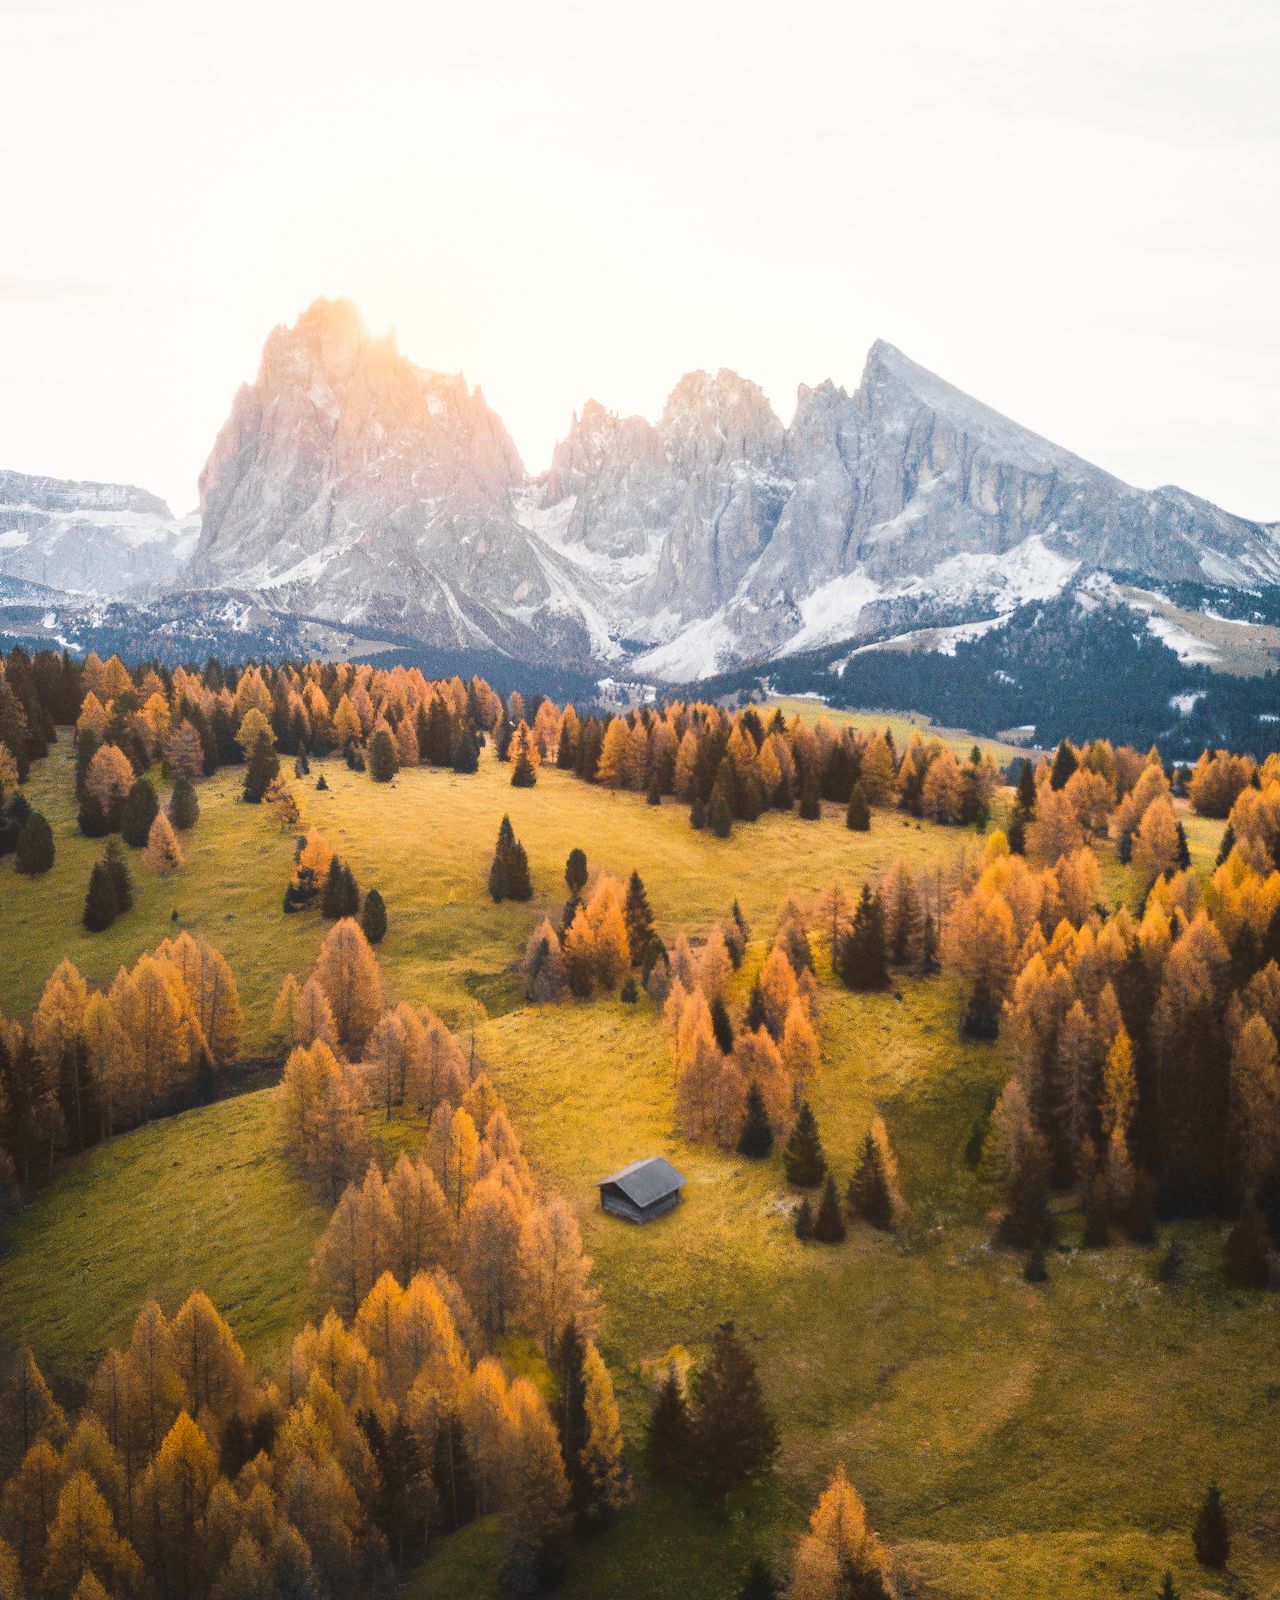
(831, 612)
(1187, 648)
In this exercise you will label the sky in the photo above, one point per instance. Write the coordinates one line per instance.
(1068, 209)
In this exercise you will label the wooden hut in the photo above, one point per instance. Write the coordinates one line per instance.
(644, 1190)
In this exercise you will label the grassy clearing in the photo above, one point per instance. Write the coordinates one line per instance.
(204, 1199)
(901, 724)
(1010, 1441)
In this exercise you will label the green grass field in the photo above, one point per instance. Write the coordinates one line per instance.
(1009, 1440)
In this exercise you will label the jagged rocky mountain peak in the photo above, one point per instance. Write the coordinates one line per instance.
(351, 485)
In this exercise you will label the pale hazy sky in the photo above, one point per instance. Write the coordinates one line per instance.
(1069, 208)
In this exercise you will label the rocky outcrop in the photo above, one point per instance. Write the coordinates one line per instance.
(351, 485)
(101, 539)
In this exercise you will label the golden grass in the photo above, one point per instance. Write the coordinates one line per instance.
(1010, 1441)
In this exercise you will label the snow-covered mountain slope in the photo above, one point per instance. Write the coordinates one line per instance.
(349, 484)
(102, 539)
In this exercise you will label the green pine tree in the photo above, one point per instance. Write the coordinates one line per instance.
(669, 1442)
(575, 872)
(803, 1159)
(756, 1138)
(34, 852)
(118, 871)
(373, 918)
(828, 1225)
(262, 771)
(333, 892)
(383, 760)
(1065, 763)
(868, 1196)
(184, 805)
(734, 1434)
(720, 816)
(522, 774)
(140, 807)
(857, 817)
(638, 917)
(864, 963)
(100, 901)
(721, 1024)
(466, 753)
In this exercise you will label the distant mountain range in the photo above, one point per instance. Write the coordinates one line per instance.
(352, 491)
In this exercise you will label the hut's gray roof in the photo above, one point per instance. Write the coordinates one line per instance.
(646, 1181)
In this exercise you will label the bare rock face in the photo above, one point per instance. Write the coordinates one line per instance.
(99, 539)
(908, 504)
(352, 486)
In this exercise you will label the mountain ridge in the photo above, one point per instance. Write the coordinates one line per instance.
(350, 484)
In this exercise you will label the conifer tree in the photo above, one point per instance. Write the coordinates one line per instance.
(523, 775)
(163, 853)
(719, 816)
(803, 1159)
(373, 918)
(100, 901)
(1026, 795)
(828, 1225)
(575, 872)
(857, 817)
(118, 871)
(810, 805)
(734, 1435)
(1064, 766)
(840, 1557)
(383, 762)
(570, 1412)
(869, 1196)
(184, 805)
(509, 874)
(638, 917)
(721, 1024)
(262, 770)
(1211, 1536)
(140, 808)
(669, 1442)
(466, 752)
(864, 959)
(601, 1454)
(34, 852)
(331, 895)
(756, 1138)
